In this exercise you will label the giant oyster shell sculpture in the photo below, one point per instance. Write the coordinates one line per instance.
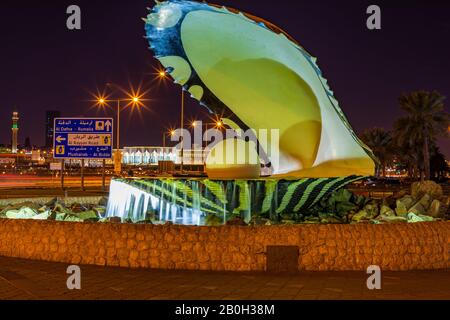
(259, 77)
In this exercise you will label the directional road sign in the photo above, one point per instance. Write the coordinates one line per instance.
(83, 138)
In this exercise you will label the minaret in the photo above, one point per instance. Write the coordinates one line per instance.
(15, 131)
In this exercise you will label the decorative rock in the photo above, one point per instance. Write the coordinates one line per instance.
(435, 209)
(312, 220)
(147, 221)
(88, 215)
(213, 220)
(42, 216)
(43, 209)
(59, 216)
(72, 218)
(258, 221)
(447, 202)
(390, 219)
(59, 207)
(425, 201)
(76, 208)
(22, 213)
(103, 202)
(386, 211)
(331, 219)
(100, 211)
(51, 203)
(431, 188)
(360, 215)
(114, 219)
(371, 209)
(417, 209)
(418, 218)
(236, 221)
(403, 204)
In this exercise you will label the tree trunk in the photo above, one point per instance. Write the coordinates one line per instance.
(426, 158)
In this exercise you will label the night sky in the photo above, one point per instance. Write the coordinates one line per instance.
(44, 66)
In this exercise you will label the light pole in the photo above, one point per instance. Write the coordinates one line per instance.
(170, 133)
(217, 125)
(163, 75)
(133, 99)
(182, 127)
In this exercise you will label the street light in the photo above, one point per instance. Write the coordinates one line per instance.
(169, 133)
(162, 74)
(217, 124)
(134, 99)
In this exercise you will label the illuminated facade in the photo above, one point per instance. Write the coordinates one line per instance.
(152, 155)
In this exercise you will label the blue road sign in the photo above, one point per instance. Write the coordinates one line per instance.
(83, 138)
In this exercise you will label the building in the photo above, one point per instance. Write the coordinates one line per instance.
(14, 131)
(152, 155)
(50, 116)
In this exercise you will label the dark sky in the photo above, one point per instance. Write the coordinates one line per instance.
(45, 66)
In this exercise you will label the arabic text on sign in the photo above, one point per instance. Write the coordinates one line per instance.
(89, 139)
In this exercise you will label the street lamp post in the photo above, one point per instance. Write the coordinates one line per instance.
(162, 74)
(218, 124)
(118, 125)
(182, 127)
(117, 154)
(170, 133)
(135, 100)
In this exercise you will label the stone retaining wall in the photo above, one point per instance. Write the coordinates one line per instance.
(232, 248)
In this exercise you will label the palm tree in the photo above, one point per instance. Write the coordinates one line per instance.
(425, 120)
(380, 141)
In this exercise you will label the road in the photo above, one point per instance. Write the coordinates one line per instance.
(28, 181)
(26, 186)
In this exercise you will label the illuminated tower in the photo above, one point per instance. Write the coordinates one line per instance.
(15, 131)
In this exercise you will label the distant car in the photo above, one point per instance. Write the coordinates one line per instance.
(381, 182)
(371, 182)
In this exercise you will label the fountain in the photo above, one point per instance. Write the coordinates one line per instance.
(190, 201)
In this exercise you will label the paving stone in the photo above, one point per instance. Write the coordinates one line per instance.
(27, 279)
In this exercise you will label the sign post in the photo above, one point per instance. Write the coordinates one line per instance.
(62, 174)
(82, 174)
(103, 175)
(82, 138)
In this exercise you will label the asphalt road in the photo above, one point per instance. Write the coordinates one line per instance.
(24, 186)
